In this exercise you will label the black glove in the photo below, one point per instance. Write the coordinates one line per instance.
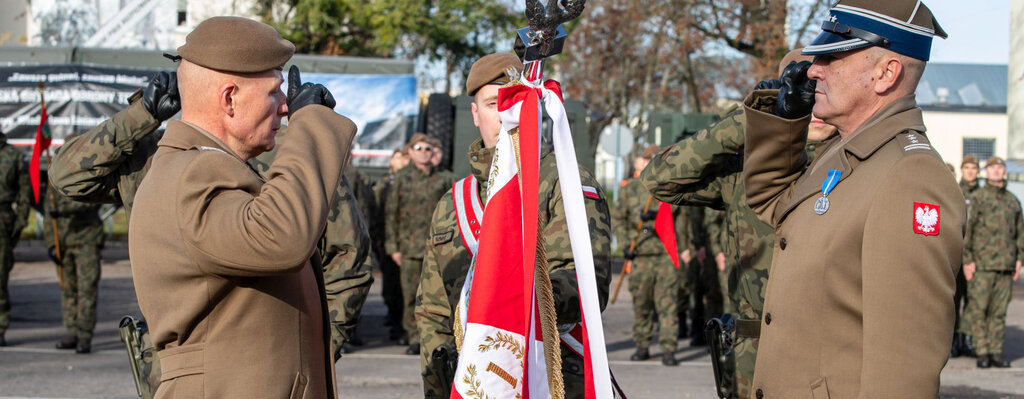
(796, 96)
(160, 97)
(649, 215)
(629, 255)
(770, 84)
(301, 95)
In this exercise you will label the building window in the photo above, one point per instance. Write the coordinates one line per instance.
(981, 148)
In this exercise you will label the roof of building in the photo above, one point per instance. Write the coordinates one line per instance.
(959, 87)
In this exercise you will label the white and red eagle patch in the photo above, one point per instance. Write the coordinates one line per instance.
(926, 219)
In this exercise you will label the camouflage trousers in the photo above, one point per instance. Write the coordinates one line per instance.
(744, 351)
(988, 296)
(391, 289)
(654, 282)
(410, 271)
(6, 264)
(728, 305)
(79, 278)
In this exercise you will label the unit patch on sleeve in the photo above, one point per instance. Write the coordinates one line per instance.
(926, 219)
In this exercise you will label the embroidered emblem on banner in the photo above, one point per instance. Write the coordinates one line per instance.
(926, 219)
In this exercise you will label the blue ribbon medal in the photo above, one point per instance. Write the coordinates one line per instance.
(821, 205)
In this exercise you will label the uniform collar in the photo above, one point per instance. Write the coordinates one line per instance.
(187, 136)
(894, 118)
(996, 188)
(966, 184)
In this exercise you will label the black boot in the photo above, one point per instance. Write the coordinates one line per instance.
(640, 355)
(68, 342)
(983, 362)
(84, 345)
(958, 342)
(669, 359)
(3, 342)
(998, 362)
(967, 349)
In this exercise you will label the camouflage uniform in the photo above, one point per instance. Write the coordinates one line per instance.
(80, 235)
(409, 205)
(391, 283)
(447, 262)
(15, 202)
(714, 224)
(994, 242)
(653, 279)
(707, 170)
(960, 296)
(107, 164)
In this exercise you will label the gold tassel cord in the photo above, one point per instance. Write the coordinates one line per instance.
(548, 320)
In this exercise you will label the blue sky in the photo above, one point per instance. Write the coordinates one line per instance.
(979, 31)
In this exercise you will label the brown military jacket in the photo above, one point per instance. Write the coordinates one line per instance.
(225, 264)
(858, 304)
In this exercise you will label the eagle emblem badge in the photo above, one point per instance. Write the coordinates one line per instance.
(926, 219)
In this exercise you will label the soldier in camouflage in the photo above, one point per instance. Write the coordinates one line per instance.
(410, 203)
(993, 250)
(447, 260)
(704, 288)
(654, 277)
(79, 239)
(707, 170)
(962, 341)
(15, 203)
(391, 282)
(714, 224)
(108, 163)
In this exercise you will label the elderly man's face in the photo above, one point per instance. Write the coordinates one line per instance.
(844, 84)
(969, 171)
(260, 107)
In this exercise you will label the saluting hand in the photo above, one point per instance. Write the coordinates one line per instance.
(796, 94)
(303, 94)
(160, 97)
(969, 271)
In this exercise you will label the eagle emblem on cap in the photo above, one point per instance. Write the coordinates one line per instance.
(926, 219)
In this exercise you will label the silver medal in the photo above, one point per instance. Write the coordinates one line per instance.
(821, 205)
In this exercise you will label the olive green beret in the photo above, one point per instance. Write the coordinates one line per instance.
(235, 44)
(490, 69)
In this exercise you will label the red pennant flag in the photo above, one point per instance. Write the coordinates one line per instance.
(42, 143)
(666, 229)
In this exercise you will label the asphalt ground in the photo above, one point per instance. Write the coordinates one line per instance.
(30, 367)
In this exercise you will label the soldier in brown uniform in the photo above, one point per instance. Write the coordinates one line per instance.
(869, 236)
(223, 260)
(410, 203)
(447, 257)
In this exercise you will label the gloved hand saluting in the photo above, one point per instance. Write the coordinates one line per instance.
(796, 95)
(160, 97)
(301, 95)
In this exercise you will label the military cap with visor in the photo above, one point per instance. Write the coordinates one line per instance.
(490, 69)
(994, 160)
(235, 45)
(902, 26)
(969, 159)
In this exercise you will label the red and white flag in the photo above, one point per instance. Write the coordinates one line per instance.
(502, 354)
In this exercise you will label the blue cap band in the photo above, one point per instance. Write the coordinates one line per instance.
(850, 28)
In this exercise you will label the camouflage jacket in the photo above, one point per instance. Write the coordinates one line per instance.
(706, 169)
(627, 215)
(714, 225)
(78, 223)
(410, 203)
(447, 260)
(995, 230)
(15, 188)
(107, 164)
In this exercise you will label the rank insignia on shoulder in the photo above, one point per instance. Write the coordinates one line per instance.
(914, 143)
(590, 192)
(926, 219)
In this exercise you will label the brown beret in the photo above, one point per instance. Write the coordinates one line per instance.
(491, 69)
(650, 152)
(235, 44)
(793, 55)
(434, 142)
(969, 159)
(418, 138)
(994, 161)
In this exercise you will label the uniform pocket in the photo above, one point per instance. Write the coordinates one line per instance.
(819, 389)
(299, 386)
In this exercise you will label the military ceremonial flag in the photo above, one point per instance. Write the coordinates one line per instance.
(664, 226)
(42, 143)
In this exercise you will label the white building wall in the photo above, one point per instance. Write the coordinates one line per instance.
(1015, 84)
(947, 130)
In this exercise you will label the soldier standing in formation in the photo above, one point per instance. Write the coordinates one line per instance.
(655, 274)
(79, 239)
(962, 342)
(993, 250)
(391, 281)
(409, 206)
(15, 203)
(874, 221)
(447, 258)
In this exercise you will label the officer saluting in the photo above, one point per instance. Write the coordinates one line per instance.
(869, 236)
(223, 260)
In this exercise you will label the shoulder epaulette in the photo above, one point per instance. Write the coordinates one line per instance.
(912, 140)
